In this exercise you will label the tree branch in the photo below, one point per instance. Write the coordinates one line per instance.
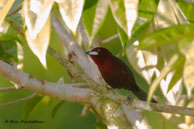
(121, 99)
(86, 110)
(65, 92)
(110, 38)
(76, 72)
(61, 91)
(188, 1)
(18, 101)
(72, 46)
(3, 89)
(83, 33)
(162, 108)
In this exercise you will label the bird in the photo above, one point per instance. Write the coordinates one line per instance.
(115, 72)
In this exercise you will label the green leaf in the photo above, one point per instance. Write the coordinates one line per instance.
(56, 108)
(94, 17)
(137, 35)
(146, 12)
(100, 15)
(188, 9)
(163, 74)
(118, 11)
(167, 35)
(70, 10)
(186, 46)
(31, 106)
(178, 67)
(12, 37)
(88, 18)
(89, 3)
(8, 50)
(16, 18)
(11, 32)
(34, 103)
(100, 125)
(123, 36)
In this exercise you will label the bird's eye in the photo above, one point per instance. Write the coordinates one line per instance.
(98, 50)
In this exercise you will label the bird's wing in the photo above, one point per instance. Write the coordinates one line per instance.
(125, 68)
(125, 75)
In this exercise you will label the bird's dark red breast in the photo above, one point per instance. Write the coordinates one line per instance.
(115, 72)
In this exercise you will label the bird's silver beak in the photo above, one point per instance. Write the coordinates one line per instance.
(92, 53)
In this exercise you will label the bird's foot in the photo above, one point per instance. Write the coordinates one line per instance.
(109, 88)
(128, 98)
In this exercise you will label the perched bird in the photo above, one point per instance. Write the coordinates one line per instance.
(115, 72)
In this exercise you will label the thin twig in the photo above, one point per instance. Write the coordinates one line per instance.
(110, 38)
(71, 76)
(18, 101)
(83, 33)
(188, 1)
(86, 110)
(3, 89)
(15, 11)
(81, 86)
(162, 108)
(16, 26)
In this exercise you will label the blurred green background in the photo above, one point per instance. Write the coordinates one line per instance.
(68, 116)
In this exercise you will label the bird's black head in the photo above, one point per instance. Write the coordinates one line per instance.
(99, 54)
(99, 51)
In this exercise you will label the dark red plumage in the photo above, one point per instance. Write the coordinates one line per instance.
(115, 72)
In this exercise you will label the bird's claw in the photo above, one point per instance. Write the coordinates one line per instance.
(128, 97)
(109, 88)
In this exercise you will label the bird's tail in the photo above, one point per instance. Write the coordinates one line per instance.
(142, 95)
